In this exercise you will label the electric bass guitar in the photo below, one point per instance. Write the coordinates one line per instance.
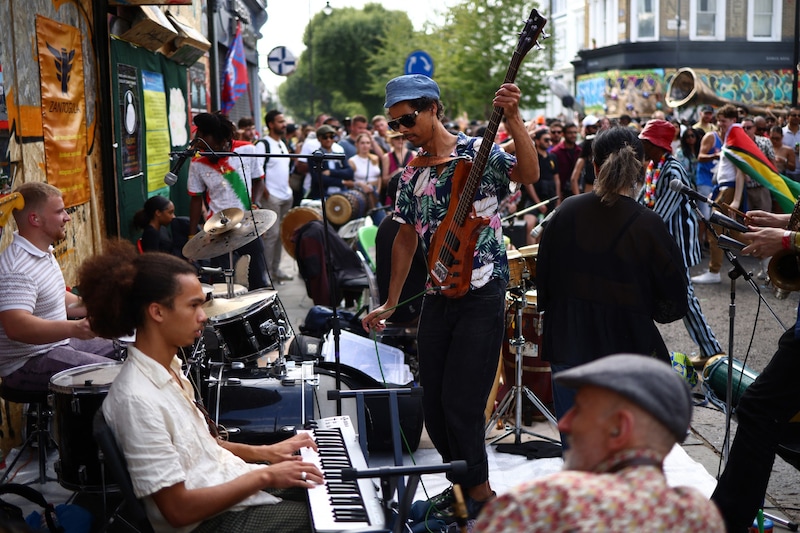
(452, 247)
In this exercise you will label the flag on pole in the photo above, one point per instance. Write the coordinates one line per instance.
(234, 77)
(744, 153)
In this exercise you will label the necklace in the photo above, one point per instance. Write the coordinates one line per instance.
(650, 181)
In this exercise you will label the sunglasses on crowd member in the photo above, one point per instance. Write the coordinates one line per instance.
(407, 121)
(794, 114)
(328, 136)
(556, 131)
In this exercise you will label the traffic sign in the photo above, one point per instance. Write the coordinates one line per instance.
(419, 62)
(281, 61)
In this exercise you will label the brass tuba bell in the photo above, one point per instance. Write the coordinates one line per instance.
(784, 273)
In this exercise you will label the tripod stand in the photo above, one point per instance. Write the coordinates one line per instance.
(514, 396)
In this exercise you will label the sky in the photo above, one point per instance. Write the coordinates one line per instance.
(287, 20)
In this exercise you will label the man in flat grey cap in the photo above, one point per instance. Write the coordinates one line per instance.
(630, 410)
(460, 332)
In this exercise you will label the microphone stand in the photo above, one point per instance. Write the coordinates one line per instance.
(316, 159)
(737, 271)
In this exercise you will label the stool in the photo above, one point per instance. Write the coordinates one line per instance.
(41, 435)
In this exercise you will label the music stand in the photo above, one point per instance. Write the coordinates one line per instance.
(515, 394)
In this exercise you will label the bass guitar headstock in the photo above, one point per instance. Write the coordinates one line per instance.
(529, 36)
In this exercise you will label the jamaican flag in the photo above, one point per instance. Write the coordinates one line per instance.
(743, 152)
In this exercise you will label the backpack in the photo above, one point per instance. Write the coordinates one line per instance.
(266, 151)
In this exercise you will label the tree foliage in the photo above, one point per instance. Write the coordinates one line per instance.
(355, 52)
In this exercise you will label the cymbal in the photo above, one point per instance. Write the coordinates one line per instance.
(225, 220)
(206, 245)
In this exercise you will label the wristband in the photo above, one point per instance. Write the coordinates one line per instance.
(786, 241)
(795, 241)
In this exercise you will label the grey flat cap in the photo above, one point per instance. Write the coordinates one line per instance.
(649, 383)
(410, 87)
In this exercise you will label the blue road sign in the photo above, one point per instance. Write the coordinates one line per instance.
(281, 61)
(419, 62)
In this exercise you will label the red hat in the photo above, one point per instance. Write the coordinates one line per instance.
(659, 132)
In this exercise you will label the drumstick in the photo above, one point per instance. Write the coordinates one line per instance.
(726, 206)
(531, 208)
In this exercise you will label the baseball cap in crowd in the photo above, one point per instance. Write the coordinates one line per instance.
(647, 382)
(410, 87)
(659, 132)
(706, 109)
(325, 129)
(589, 121)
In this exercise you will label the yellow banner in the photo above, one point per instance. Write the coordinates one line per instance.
(63, 108)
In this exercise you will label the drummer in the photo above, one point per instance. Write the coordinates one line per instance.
(188, 479)
(37, 337)
(225, 182)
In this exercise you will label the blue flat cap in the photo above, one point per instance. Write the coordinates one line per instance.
(410, 87)
(649, 383)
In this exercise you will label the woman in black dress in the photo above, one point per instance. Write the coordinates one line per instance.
(607, 269)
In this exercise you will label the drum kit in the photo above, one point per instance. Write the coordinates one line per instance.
(238, 366)
(523, 319)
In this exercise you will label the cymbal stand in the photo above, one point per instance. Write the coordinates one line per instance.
(515, 394)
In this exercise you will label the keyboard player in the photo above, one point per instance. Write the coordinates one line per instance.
(187, 479)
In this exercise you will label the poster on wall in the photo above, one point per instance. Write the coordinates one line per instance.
(156, 130)
(60, 57)
(129, 111)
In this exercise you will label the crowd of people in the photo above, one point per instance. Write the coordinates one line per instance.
(614, 259)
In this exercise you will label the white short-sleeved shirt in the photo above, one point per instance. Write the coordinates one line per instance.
(164, 436)
(31, 280)
(276, 176)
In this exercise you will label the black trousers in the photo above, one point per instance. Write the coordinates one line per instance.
(764, 410)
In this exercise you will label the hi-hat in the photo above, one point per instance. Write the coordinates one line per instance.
(225, 220)
(207, 245)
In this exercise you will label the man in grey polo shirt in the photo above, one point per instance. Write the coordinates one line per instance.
(37, 337)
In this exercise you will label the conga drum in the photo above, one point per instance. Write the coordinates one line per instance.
(536, 373)
(296, 218)
(344, 206)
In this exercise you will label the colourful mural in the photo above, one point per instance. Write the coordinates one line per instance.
(641, 92)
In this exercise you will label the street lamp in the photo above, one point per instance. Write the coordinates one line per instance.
(327, 10)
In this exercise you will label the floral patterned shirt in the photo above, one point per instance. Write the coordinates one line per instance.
(424, 196)
(626, 493)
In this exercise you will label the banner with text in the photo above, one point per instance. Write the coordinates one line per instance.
(63, 108)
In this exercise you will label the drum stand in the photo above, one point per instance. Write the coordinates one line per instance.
(515, 394)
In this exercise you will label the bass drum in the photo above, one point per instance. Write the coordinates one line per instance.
(379, 427)
(77, 395)
(536, 373)
(296, 218)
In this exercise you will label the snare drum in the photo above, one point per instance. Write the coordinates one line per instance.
(247, 325)
(341, 207)
(296, 218)
(77, 395)
(536, 373)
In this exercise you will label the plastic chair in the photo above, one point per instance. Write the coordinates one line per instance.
(366, 244)
(40, 435)
(111, 457)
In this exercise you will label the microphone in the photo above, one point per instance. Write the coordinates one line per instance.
(171, 177)
(729, 244)
(678, 186)
(727, 222)
(535, 232)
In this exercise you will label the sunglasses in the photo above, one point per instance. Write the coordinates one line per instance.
(794, 114)
(407, 121)
(327, 136)
(547, 140)
(556, 131)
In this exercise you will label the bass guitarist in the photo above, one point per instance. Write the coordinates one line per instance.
(459, 336)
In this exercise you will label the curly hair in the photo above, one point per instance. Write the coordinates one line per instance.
(119, 284)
